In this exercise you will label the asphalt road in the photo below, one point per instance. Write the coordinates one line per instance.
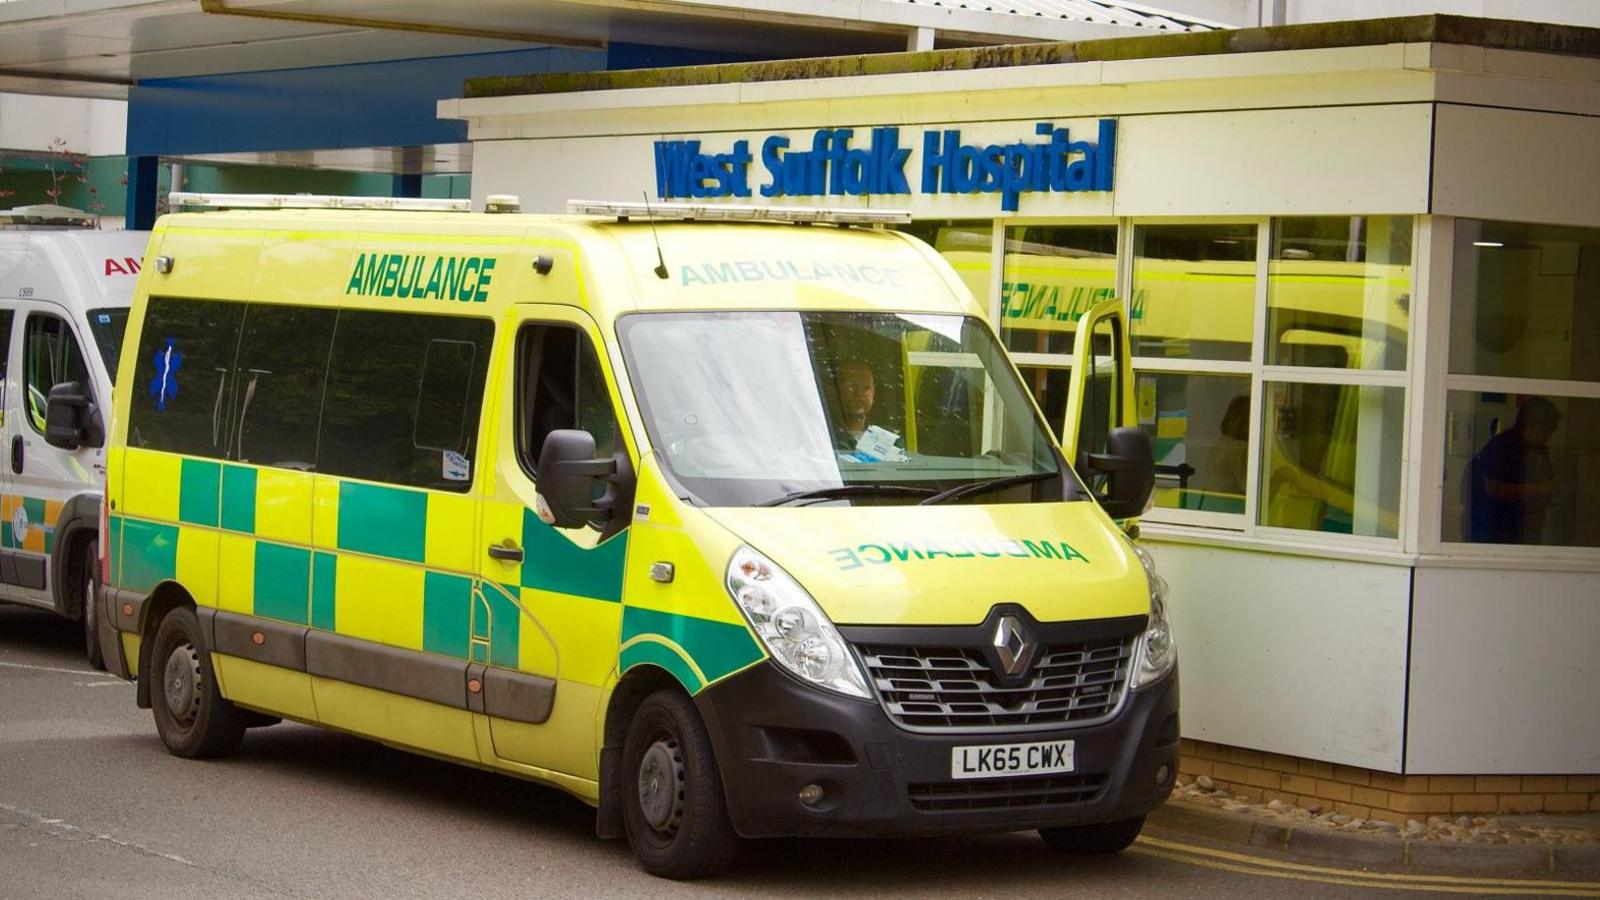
(91, 805)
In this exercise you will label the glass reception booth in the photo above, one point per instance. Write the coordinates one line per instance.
(1362, 268)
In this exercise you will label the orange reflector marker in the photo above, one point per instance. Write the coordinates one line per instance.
(127, 609)
(258, 638)
(474, 686)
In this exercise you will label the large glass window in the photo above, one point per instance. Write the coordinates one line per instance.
(382, 378)
(1194, 291)
(1053, 275)
(759, 408)
(1522, 430)
(1331, 458)
(1339, 292)
(107, 326)
(1199, 426)
(51, 356)
(560, 385)
(964, 243)
(182, 376)
(277, 385)
(1522, 470)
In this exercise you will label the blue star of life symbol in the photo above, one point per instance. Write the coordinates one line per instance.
(164, 386)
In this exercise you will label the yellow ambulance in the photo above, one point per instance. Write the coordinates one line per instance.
(732, 522)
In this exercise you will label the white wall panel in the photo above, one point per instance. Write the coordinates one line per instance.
(1360, 160)
(1517, 166)
(1505, 673)
(1290, 654)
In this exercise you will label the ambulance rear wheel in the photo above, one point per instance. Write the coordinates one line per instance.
(673, 809)
(1094, 840)
(192, 717)
(84, 582)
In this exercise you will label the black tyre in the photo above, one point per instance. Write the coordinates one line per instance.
(84, 583)
(192, 717)
(673, 809)
(1094, 840)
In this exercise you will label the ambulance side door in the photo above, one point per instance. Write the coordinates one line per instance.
(552, 595)
(9, 374)
(1100, 396)
(47, 351)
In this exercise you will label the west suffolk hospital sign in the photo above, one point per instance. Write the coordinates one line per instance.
(838, 163)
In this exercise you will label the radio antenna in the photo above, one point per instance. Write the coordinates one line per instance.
(661, 261)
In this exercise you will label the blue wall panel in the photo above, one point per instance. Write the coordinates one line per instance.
(330, 107)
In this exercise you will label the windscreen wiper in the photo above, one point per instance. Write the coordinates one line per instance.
(851, 490)
(984, 487)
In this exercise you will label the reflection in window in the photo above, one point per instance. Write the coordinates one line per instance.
(1049, 389)
(1522, 470)
(1339, 292)
(277, 385)
(51, 357)
(1525, 301)
(1199, 426)
(378, 373)
(1053, 275)
(560, 385)
(1194, 291)
(1331, 458)
(182, 375)
(965, 244)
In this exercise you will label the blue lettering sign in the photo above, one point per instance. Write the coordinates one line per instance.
(835, 165)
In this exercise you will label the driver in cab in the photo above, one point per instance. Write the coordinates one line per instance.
(853, 433)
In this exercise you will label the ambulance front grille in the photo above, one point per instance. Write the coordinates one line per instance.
(1004, 793)
(955, 689)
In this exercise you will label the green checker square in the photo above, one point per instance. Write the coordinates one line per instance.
(239, 499)
(504, 635)
(283, 582)
(149, 554)
(446, 614)
(324, 569)
(383, 521)
(6, 538)
(199, 492)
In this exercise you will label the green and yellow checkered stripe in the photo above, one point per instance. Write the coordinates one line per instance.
(369, 561)
(394, 566)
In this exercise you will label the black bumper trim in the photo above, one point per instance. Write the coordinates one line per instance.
(773, 736)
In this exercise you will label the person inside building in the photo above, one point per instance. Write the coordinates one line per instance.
(1511, 480)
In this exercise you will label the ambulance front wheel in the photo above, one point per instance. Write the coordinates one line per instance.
(673, 809)
(192, 717)
(1094, 840)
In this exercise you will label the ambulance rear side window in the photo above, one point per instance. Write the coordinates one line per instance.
(183, 377)
(403, 398)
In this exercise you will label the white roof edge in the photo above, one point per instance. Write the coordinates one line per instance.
(1035, 19)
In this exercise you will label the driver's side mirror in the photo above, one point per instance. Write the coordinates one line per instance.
(568, 473)
(1130, 468)
(71, 418)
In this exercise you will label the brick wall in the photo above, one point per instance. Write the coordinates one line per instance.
(1367, 794)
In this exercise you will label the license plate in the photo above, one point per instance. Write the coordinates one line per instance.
(1000, 760)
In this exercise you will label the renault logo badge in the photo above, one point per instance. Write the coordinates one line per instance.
(1013, 645)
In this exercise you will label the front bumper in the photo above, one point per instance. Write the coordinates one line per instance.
(774, 735)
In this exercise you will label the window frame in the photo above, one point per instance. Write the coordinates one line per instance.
(521, 411)
(27, 346)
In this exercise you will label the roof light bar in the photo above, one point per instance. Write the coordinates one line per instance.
(46, 214)
(728, 212)
(178, 199)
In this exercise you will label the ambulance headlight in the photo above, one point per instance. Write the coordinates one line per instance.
(797, 633)
(1157, 653)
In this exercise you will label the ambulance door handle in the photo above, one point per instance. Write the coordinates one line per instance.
(506, 552)
(16, 454)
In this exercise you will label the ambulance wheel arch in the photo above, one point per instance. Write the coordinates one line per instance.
(76, 529)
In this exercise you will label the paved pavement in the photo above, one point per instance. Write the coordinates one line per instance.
(91, 805)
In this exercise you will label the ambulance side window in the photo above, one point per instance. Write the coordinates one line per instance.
(5, 356)
(183, 377)
(277, 385)
(560, 385)
(390, 372)
(51, 356)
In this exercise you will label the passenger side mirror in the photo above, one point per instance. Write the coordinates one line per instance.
(1130, 468)
(567, 476)
(71, 418)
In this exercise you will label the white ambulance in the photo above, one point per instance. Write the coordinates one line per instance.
(64, 294)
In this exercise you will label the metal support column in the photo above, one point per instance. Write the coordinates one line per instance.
(144, 173)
